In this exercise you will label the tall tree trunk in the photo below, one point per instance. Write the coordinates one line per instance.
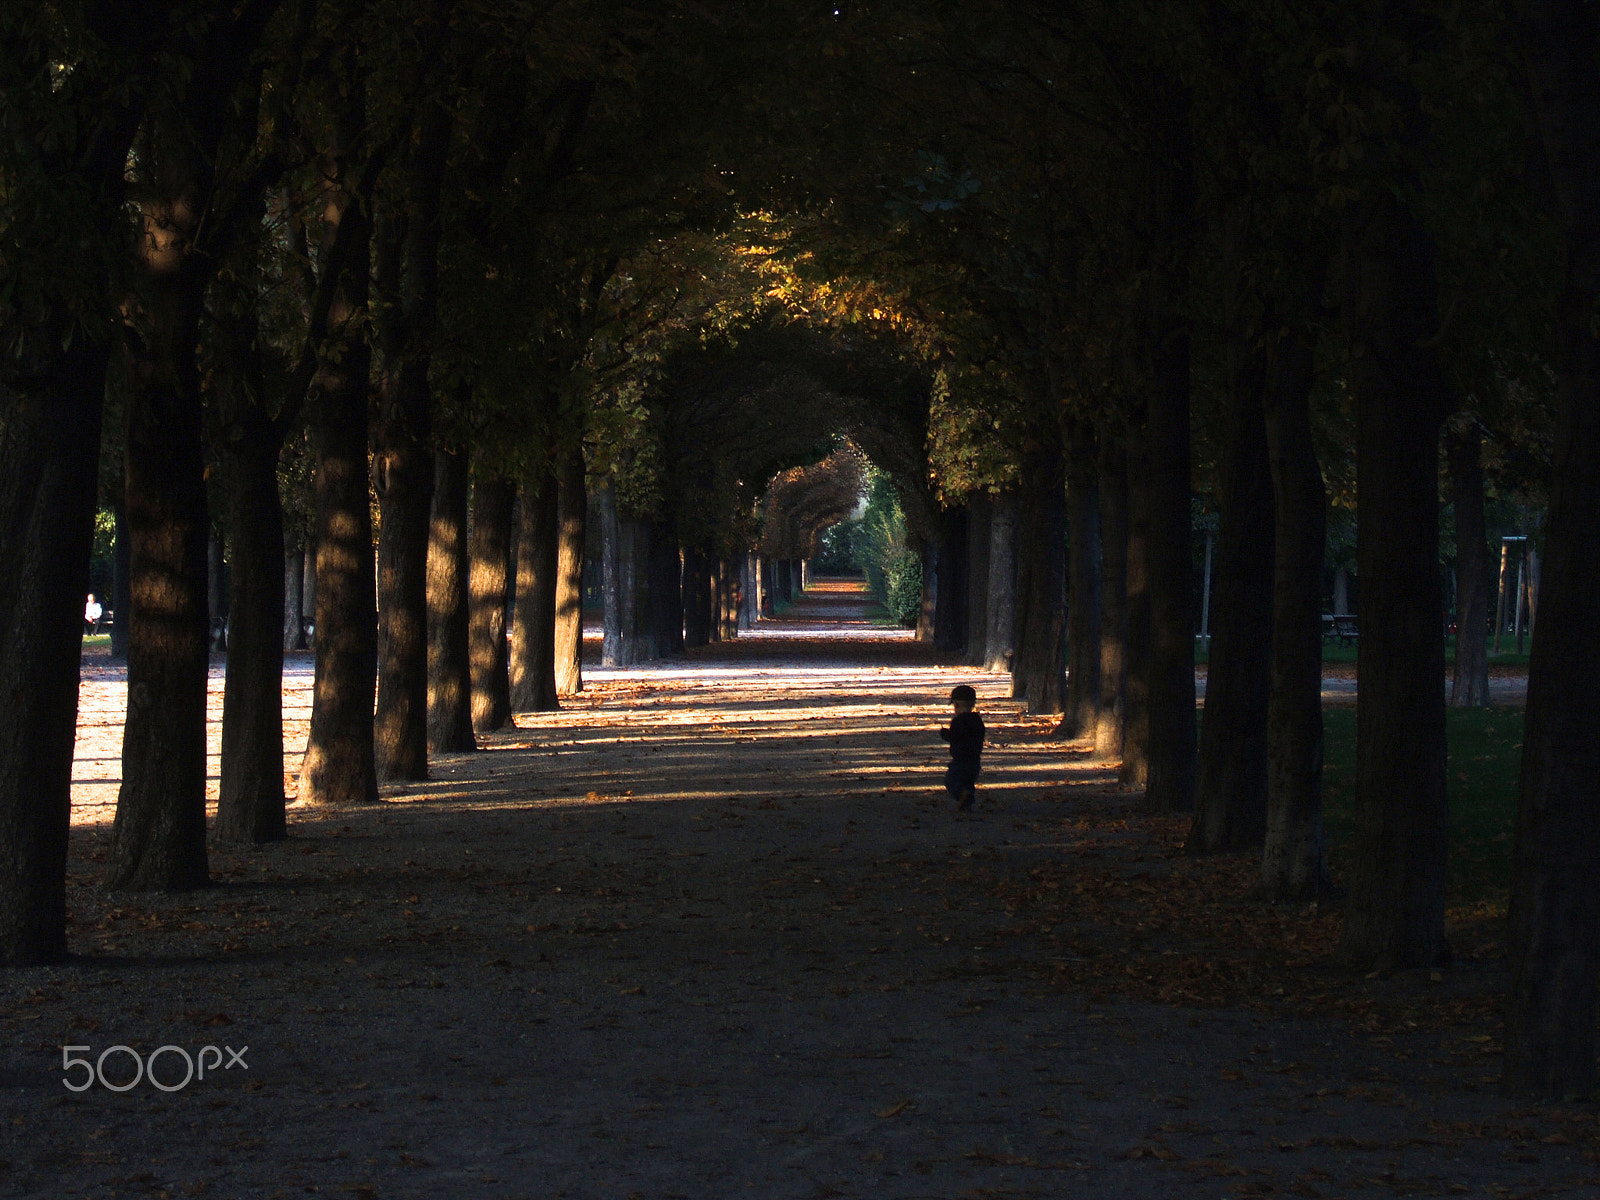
(49, 447)
(1002, 600)
(611, 576)
(1231, 798)
(950, 590)
(696, 599)
(294, 634)
(121, 583)
(449, 656)
(929, 570)
(250, 805)
(533, 632)
(339, 766)
(1083, 583)
(1173, 740)
(1136, 642)
(572, 507)
(1293, 866)
(665, 589)
(1554, 937)
(978, 510)
(713, 598)
(1111, 712)
(1469, 685)
(159, 835)
(1038, 664)
(489, 588)
(1395, 916)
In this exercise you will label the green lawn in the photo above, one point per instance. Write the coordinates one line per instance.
(1485, 746)
(1333, 651)
(98, 641)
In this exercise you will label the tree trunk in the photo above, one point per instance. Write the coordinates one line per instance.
(1554, 936)
(1231, 797)
(159, 835)
(1083, 584)
(294, 634)
(250, 804)
(785, 583)
(696, 599)
(1469, 685)
(950, 587)
(1293, 866)
(611, 577)
(121, 584)
(1173, 744)
(489, 586)
(978, 510)
(1001, 603)
(1111, 712)
(49, 448)
(928, 601)
(572, 507)
(403, 470)
(713, 598)
(1038, 664)
(339, 765)
(533, 633)
(449, 657)
(1395, 917)
(1136, 642)
(665, 588)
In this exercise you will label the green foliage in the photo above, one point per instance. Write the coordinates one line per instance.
(839, 550)
(893, 569)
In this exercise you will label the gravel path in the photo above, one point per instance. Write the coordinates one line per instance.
(711, 931)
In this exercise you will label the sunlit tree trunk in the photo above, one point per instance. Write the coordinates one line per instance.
(489, 588)
(1083, 583)
(449, 657)
(1111, 711)
(1002, 600)
(572, 506)
(533, 632)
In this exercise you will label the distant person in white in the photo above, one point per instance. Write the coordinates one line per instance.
(91, 615)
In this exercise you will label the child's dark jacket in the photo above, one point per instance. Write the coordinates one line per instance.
(965, 736)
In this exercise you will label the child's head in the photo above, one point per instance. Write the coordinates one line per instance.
(963, 697)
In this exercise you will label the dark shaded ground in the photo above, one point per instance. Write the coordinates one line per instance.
(714, 931)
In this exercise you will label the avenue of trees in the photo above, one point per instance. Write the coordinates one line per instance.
(423, 287)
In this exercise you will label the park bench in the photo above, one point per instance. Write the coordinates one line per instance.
(1341, 626)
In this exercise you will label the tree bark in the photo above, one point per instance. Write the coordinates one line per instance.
(533, 632)
(612, 583)
(49, 447)
(1001, 603)
(1395, 915)
(159, 834)
(1083, 584)
(294, 635)
(489, 588)
(1231, 797)
(449, 656)
(1038, 664)
(665, 589)
(250, 804)
(121, 584)
(572, 507)
(1172, 747)
(1111, 712)
(950, 590)
(1554, 935)
(696, 599)
(1136, 641)
(978, 510)
(1293, 866)
(1469, 684)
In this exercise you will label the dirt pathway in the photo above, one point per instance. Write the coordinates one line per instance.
(712, 931)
